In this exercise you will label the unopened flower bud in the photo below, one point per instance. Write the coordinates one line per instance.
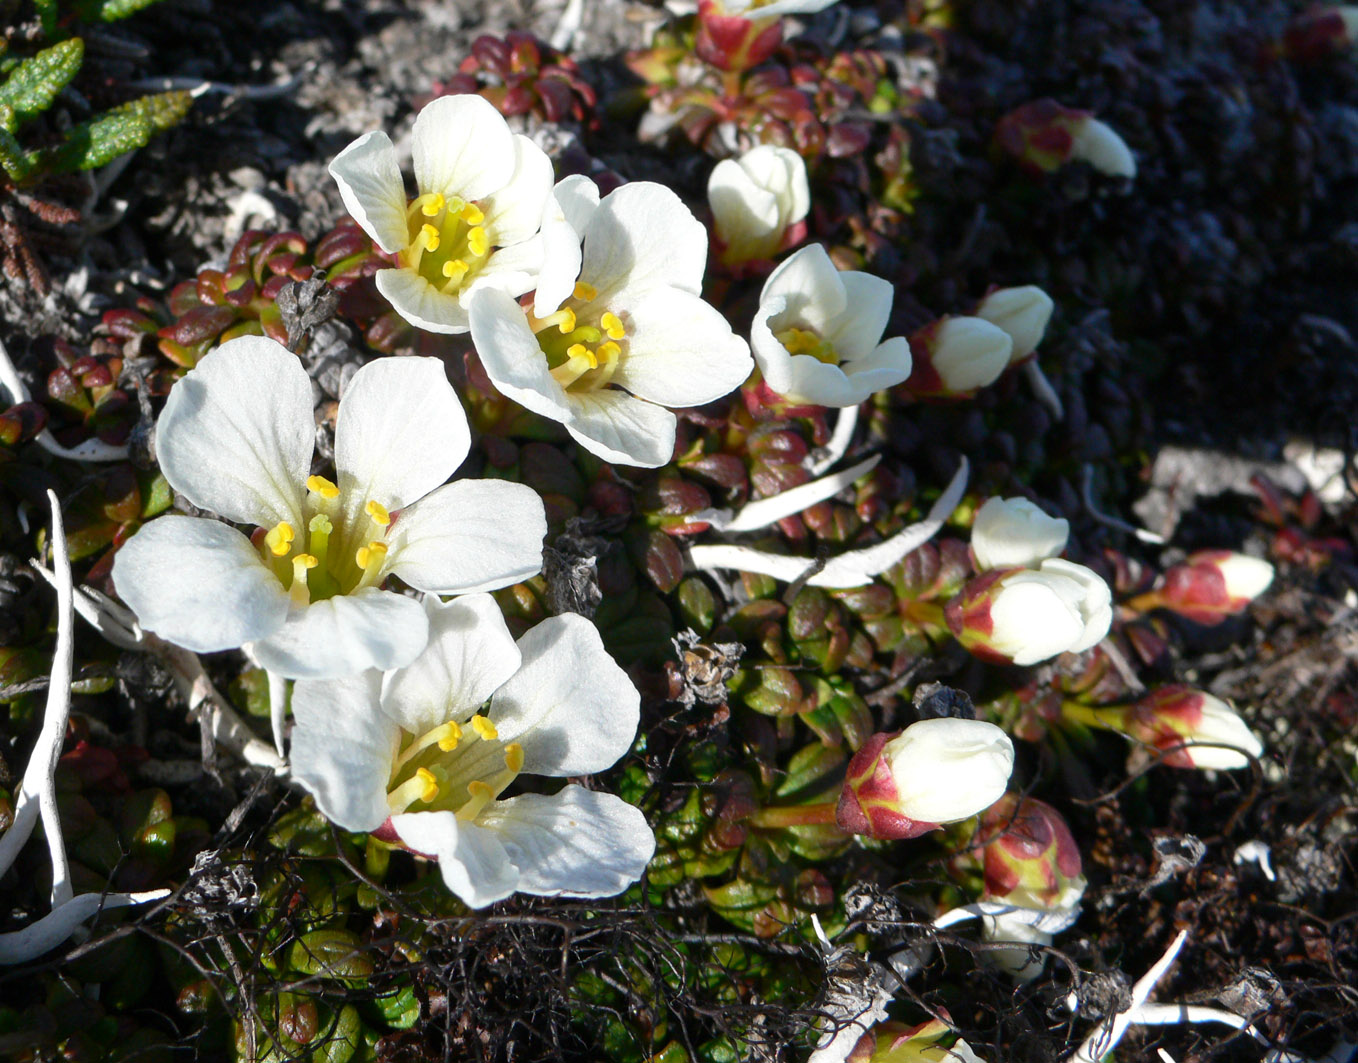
(1171, 716)
(1023, 616)
(1213, 584)
(1014, 533)
(1319, 32)
(1023, 313)
(954, 356)
(1028, 855)
(1044, 136)
(756, 201)
(739, 34)
(935, 771)
(929, 1042)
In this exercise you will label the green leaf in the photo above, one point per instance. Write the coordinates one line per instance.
(103, 138)
(35, 82)
(110, 10)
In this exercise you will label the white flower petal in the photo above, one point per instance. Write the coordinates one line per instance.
(622, 429)
(577, 198)
(1014, 533)
(345, 634)
(778, 8)
(511, 356)
(462, 147)
(1022, 312)
(561, 258)
(680, 350)
(420, 303)
(576, 843)
(1096, 602)
(237, 432)
(369, 179)
(642, 237)
(569, 705)
(400, 433)
(745, 213)
(343, 747)
(812, 287)
(514, 211)
(473, 860)
(470, 654)
(512, 270)
(471, 535)
(199, 584)
(948, 769)
(857, 332)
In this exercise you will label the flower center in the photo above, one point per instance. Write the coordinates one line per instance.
(318, 564)
(805, 341)
(453, 767)
(582, 341)
(448, 240)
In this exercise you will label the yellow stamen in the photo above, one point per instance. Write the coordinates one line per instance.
(279, 538)
(445, 736)
(613, 326)
(514, 757)
(378, 513)
(369, 558)
(430, 236)
(579, 350)
(585, 292)
(478, 243)
(454, 269)
(432, 204)
(319, 485)
(567, 323)
(484, 727)
(482, 794)
(450, 740)
(431, 784)
(608, 350)
(472, 214)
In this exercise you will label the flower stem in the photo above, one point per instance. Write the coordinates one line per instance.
(1106, 718)
(926, 615)
(817, 815)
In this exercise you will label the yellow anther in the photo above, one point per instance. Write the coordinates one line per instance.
(450, 740)
(321, 486)
(567, 323)
(472, 214)
(478, 243)
(613, 326)
(454, 268)
(579, 350)
(303, 562)
(484, 727)
(378, 513)
(370, 556)
(432, 204)
(585, 292)
(279, 538)
(430, 236)
(480, 794)
(514, 757)
(608, 350)
(431, 784)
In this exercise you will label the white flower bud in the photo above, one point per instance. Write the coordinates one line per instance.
(755, 199)
(1060, 607)
(947, 769)
(1014, 533)
(1021, 312)
(1246, 577)
(1098, 144)
(969, 353)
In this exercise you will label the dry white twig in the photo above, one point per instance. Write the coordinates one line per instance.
(840, 439)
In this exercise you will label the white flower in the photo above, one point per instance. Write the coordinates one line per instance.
(817, 333)
(1059, 607)
(755, 198)
(957, 355)
(632, 337)
(1246, 577)
(771, 8)
(423, 753)
(947, 769)
(482, 193)
(1014, 533)
(304, 596)
(1098, 144)
(1022, 312)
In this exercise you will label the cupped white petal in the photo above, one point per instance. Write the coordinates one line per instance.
(812, 288)
(817, 383)
(514, 211)
(949, 769)
(462, 147)
(400, 433)
(569, 705)
(471, 535)
(1095, 602)
(642, 236)
(1022, 312)
(576, 843)
(561, 258)
(199, 584)
(680, 350)
(470, 654)
(783, 172)
(237, 432)
(746, 214)
(473, 861)
(774, 360)
(622, 429)
(576, 199)
(343, 748)
(1035, 618)
(420, 303)
(1245, 576)
(1222, 725)
(1014, 533)
(512, 357)
(857, 332)
(970, 353)
(369, 179)
(345, 634)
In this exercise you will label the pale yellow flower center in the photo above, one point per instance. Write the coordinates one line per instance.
(323, 559)
(454, 767)
(448, 241)
(805, 341)
(583, 341)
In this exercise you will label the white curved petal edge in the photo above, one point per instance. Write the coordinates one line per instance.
(576, 843)
(473, 860)
(622, 429)
(462, 147)
(420, 303)
(369, 180)
(344, 635)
